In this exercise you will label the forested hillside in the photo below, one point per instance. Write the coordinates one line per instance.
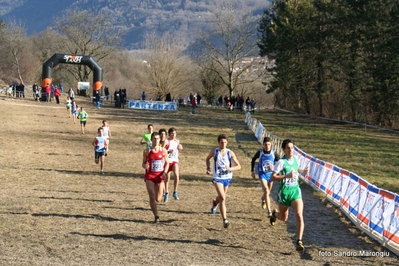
(135, 17)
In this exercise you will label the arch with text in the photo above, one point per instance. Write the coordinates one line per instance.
(74, 60)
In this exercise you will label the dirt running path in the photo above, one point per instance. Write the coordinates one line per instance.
(57, 210)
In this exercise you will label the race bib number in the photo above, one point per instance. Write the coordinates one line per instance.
(290, 182)
(157, 166)
(266, 166)
(222, 172)
(172, 154)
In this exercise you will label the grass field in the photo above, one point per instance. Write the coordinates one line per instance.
(57, 210)
(368, 152)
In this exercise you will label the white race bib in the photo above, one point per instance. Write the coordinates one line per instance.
(157, 166)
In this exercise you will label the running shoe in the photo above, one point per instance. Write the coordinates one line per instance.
(273, 217)
(166, 197)
(226, 223)
(156, 220)
(214, 207)
(269, 214)
(175, 195)
(263, 204)
(101, 172)
(299, 246)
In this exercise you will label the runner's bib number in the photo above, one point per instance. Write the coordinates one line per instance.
(222, 172)
(157, 166)
(290, 182)
(266, 166)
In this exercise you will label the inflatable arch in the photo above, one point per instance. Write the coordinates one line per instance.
(73, 59)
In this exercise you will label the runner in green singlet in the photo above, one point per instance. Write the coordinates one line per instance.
(287, 171)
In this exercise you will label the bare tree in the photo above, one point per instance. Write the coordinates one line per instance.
(231, 39)
(88, 33)
(210, 81)
(14, 46)
(165, 65)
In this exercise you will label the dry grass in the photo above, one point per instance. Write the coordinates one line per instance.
(57, 210)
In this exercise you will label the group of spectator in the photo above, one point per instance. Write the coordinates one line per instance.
(52, 92)
(236, 102)
(233, 102)
(120, 97)
(16, 90)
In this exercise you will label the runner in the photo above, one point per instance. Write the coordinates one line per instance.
(155, 163)
(174, 147)
(68, 103)
(222, 174)
(146, 139)
(267, 158)
(74, 111)
(100, 146)
(289, 194)
(162, 134)
(107, 134)
(83, 119)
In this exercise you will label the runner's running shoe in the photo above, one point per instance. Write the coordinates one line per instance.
(166, 197)
(214, 207)
(273, 217)
(175, 195)
(299, 246)
(226, 223)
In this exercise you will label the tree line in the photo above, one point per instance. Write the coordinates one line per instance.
(165, 64)
(338, 59)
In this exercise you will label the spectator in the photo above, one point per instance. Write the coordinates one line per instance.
(241, 103)
(34, 88)
(143, 95)
(14, 89)
(117, 99)
(253, 104)
(125, 97)
(199, 98)
(97, 99)
(248, 104)
(122, 96)
(48, 92)
(57, 94)
(17, 90)
(9, 91)
(193, 104)
(168, 97)
(233, 102)
(106, 91)
(238, 100)
(52, 91)
(181, 102)
(21, 90)
(229, 104)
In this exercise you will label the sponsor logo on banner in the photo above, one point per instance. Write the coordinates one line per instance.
(149, 105)
(74, 59)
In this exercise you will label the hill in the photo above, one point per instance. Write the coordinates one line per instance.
(136, 17)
